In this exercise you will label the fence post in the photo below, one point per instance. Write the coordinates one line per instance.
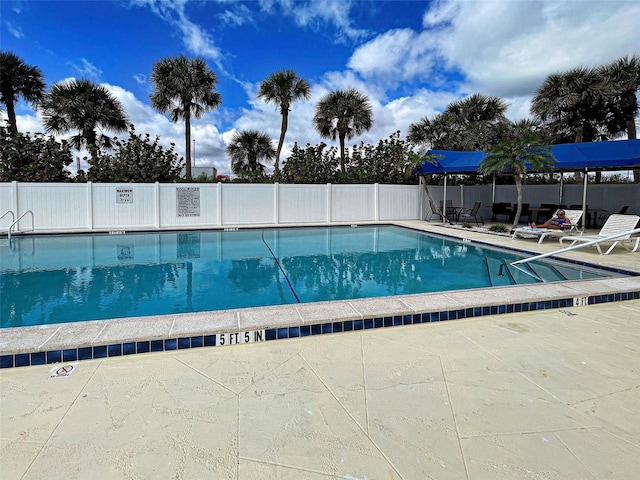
(329, 201)
(90, 205)
(276, 195)
(14, 198)
(219, 194)
(157, 194)
(376, 202)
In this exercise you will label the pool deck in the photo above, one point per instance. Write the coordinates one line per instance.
(542, 394)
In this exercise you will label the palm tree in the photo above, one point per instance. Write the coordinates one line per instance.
(283, 88)
(623, 79)
(184, 88)
(247, 148)
(471, 123)
(84, 106)
(513, 157)
(343, 114)
(574, 99)
(17, 79)
(435, 133)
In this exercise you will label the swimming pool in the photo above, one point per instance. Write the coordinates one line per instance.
(69, 278)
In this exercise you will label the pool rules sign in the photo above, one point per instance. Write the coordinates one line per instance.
(188, 201)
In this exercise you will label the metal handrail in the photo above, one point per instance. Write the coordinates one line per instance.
(13, 215)
(18, 220)
(575, 247)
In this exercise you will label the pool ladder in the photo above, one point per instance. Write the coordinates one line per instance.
(15, 222)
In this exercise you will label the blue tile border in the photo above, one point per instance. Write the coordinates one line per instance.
(198, 341)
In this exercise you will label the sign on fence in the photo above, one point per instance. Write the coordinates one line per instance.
(188, 201)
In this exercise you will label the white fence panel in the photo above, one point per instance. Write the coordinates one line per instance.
(54, 205)
(6, 204)
(302, 203)
(353, 203)
(173, 213)
(123, 206)
(244, 204)
(398, 202)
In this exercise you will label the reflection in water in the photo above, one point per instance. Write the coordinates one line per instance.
(88, 277)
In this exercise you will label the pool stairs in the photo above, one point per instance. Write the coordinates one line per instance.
(502, 274)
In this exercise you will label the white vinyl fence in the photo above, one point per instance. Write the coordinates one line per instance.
(149, 206)
(129, 206)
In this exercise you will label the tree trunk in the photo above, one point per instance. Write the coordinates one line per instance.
(11, 113)
(518, 181)
(426, 179)
(342, 138)
(283, 132)
(579, 138)
(632, 134)
(187, 140)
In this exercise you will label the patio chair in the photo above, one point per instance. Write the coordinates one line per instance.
(471, 213)
(525, 212)
(602, 216)
(435, 211)
(541, 233)
(547, 210)
(615, 224)
(501, 208)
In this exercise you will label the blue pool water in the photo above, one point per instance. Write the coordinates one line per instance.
(67, 278)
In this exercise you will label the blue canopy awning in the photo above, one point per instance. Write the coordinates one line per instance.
(611, 155)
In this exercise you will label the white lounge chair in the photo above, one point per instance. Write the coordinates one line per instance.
(573, 216)
(615, 224)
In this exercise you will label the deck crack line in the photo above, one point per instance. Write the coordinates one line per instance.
(276, 464)
(206, 376)
(575, 456)
(173, 322)
(364, 384)
(604, 395)
(531, 432)
(50, 337)
(514, 370)
(373, 442)
(453, 415)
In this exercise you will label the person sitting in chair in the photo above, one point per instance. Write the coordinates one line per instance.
(556, 223)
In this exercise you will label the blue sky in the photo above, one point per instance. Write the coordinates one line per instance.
(411, 58)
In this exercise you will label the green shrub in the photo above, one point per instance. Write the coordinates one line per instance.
(498, 228)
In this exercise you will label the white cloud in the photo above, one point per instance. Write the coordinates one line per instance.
(395, 56)
(196, 40)
(86, 69)
(316, 13)
(508, 48)
(141, 78)
(13, 30)
(236, 16)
